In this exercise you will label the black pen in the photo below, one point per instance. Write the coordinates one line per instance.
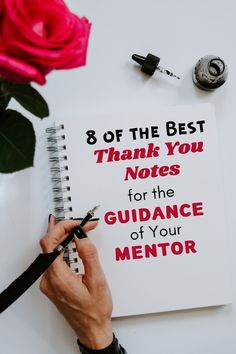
(77, 231)
(39, 265)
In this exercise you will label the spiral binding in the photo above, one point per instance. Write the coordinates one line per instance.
(60, 188)
(57, 158)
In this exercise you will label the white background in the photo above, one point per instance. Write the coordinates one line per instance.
(180, 32)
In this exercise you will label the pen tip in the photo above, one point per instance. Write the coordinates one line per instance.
(95, 208)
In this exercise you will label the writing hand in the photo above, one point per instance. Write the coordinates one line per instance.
(83, 299)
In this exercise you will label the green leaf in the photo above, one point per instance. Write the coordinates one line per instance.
(30, 99)
(4, 103)
(5, 97)
(17, 142)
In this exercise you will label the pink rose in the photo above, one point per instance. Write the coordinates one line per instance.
(38, 36)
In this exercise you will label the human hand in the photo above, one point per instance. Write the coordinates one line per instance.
(83, 299)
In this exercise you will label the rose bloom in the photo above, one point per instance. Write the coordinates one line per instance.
(38, 36)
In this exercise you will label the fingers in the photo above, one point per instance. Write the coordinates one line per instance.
(91, 225)
(51, 222)
(57, 233)
(59, 266)
(89, 256)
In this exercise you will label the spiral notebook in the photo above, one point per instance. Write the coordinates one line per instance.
(162, 237)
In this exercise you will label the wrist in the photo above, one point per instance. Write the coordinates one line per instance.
(96, 338)
(112, 348)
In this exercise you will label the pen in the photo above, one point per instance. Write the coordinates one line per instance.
(77, 231)
(39, 266)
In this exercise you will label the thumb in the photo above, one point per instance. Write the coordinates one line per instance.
(57, 234)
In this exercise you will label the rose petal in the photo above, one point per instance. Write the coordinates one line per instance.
(64, 58)
(23, 16)
(16, 71)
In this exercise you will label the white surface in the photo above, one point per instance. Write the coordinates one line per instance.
(180, 32)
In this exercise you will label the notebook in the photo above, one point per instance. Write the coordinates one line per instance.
(162, 236)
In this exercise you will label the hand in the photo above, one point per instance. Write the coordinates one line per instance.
(83, 299)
